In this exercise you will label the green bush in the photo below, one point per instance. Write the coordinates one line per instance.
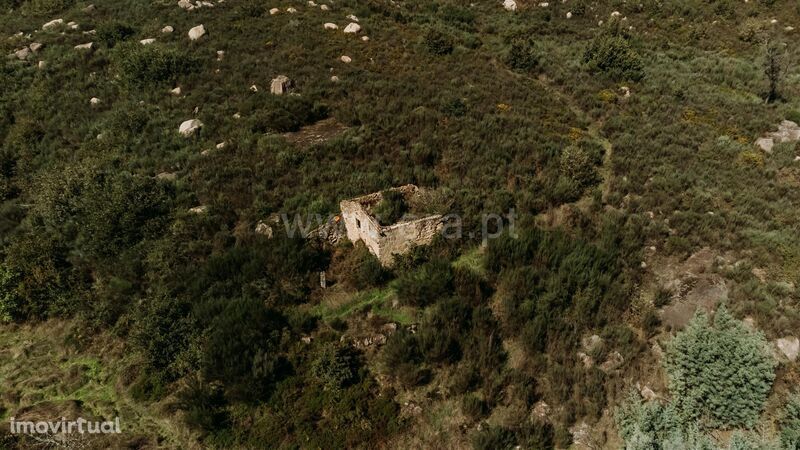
(203, 404)
(42, 7)
(576, 164)
(611, 53)
(334, 367)
(790, 424)
(474, 407)
(438, 43)
(112, 33)
(720, 372)
(425, 285)
(142, 65)
(523, 55)
(391, 208)
(360, 269)
(494, 438)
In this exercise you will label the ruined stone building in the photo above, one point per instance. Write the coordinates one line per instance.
(384, 241)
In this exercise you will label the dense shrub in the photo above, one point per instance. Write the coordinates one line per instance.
(494, 438)
(474, 407)
(790, 424)
(438, 43)
(142, 65)
(720, 372)
(578, 165)
(360, 269)
(42, 7)
(334, 367)
(113, 33)
(203, 404)
(611, 53)
(523, 55)
(391, 208)
(425, 285)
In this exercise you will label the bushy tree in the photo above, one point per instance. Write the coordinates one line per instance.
(790, 424)
(438, 43)
(611, 53)
(720, 372)
(523, 55)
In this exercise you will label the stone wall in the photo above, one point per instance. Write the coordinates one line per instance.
(386, 241)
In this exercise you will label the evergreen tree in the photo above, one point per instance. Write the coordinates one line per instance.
(719, 374)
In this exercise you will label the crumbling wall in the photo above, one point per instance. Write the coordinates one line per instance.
(402, 237)
(386, 241)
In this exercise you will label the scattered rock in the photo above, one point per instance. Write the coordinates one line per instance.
(510, 5)
(789, 346)
(352, 28)
(346, 59)
(147, 41)
(202, 209)
(291, 10)
(280, 85)
(306, 339)
(765, 144)
(197, 32)
(167, 176)
(87, 46)
(53, 23)
(94, 101)
(72, 25)
(590, 343)
(626, 91)
(274, 11)
(647, 393)
(188, 127)
(35, 46)
(89, 9)
(167, 29)
(42, 64)
(330, 26)
(220, 145)
(220, 55)
(759, 273)
(540, 411)
(264, 229)
(586, 360)
(352, 17)
(324, 7)
(312, 3)
(185, 4)
(569, 14)
(334, 79)
(613, 361)
(254, 88)
(23, 53)
(176, 91)
(365, 38)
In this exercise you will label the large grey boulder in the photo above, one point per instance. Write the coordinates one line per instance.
(53, 23)
(189, 127)
(789, 346)
(352, 28)
(197, 32)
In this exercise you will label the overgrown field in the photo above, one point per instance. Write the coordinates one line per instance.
(620, 138)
